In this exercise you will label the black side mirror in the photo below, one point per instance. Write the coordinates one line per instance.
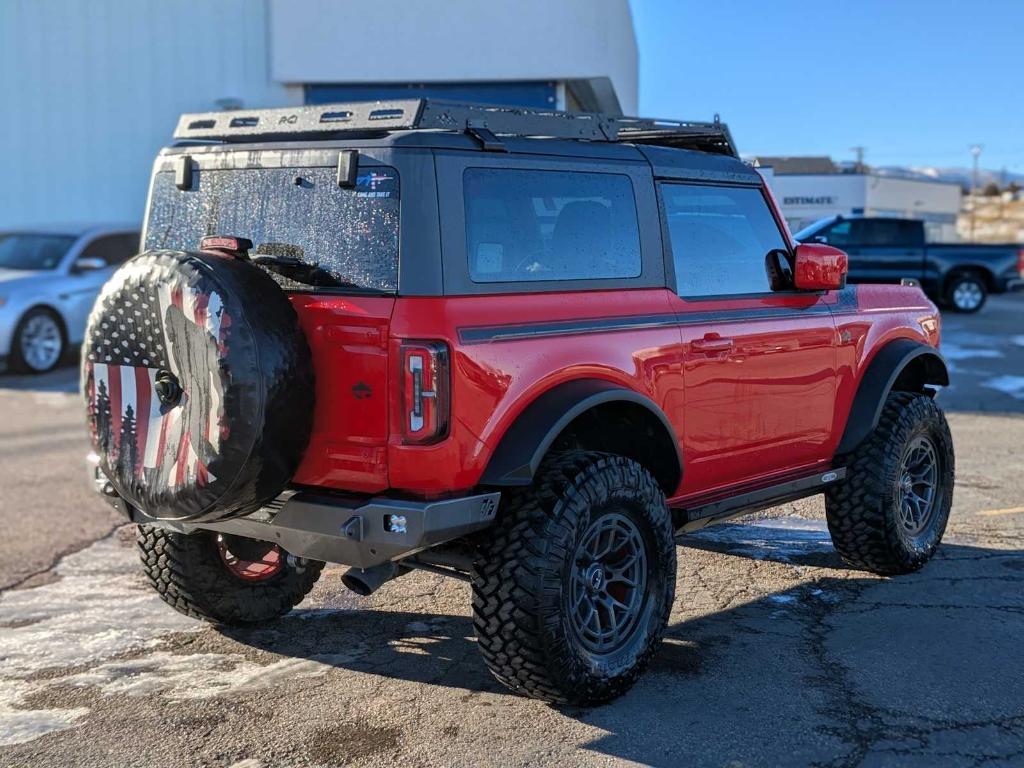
(779, 269)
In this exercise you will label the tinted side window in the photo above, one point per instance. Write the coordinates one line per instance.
(549, 225)
(880, 232)
(113, 249)
(840, 234)
(720, 237)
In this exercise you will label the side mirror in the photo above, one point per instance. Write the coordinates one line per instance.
(88, 264)
(819, 268)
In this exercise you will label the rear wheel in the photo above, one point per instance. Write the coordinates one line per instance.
(889, 514)
(572, 588)
(967, 292)
(224, 579)
(38, 342)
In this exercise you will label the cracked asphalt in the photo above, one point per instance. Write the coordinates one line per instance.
(777, 653)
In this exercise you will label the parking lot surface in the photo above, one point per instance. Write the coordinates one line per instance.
(776, 654)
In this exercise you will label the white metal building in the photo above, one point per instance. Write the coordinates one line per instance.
(90, 91)
(806, 197)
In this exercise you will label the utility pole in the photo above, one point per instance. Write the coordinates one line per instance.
(859, 167)
(976, 152)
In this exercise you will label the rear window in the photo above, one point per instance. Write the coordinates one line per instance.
(549, 225)
(301, 213)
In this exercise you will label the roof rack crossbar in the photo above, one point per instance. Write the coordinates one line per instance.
(435, 114)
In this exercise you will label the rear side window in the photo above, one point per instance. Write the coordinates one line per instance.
(877, 233)
(549, 225)
(720, 238)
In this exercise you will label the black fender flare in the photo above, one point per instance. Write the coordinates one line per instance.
(878, 380)
(523, 446)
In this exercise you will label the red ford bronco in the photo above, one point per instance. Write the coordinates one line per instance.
(525, 349)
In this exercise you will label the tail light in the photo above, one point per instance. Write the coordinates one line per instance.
(1020, 262)
(425, 397)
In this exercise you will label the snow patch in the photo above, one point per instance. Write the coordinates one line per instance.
(778, 539)
(200, 675)
(20, 725)
(1011, 385)
(99, 607)
(957, 352)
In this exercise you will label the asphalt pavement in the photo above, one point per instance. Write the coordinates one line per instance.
(777, 653)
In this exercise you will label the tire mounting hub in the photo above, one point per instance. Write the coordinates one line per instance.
(248, 559)
(608, 581)
(40, 342)
(918, 485)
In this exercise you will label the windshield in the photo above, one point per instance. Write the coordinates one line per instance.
(812, 229)
(32, 252)
(288, 213)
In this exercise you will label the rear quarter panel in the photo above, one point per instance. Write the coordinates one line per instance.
(494, 380)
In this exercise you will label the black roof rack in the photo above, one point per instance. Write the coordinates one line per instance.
(485, 122)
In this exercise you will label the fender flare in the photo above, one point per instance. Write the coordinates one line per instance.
(877, 382)
(523, 446)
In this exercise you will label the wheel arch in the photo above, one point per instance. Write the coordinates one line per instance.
(62, 322)
(982, 271)
(904, 365)
(568, 413)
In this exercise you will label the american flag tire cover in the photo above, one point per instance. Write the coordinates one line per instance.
(226, 336)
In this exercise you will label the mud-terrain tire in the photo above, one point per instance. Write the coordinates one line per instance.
(192, 575)
(966, 292)
(876, 515)
(199, 385)
(540, 561)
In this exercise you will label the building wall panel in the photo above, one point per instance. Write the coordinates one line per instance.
(91, 89)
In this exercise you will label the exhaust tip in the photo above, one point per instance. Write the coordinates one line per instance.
(356, 584)
(366, 581)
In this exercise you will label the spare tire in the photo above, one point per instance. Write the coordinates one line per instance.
(198, 383)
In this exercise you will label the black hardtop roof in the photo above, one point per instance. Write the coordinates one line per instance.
(488, 125)
(666, 163)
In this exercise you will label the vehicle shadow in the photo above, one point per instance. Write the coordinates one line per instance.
(62, 379)
(823, 672)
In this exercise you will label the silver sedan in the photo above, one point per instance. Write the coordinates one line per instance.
(49, 279)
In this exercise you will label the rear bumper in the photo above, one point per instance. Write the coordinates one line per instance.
(1015, 284)
(357, 532)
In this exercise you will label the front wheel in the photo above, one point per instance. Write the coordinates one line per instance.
(221, 578)
(573, 586)
(889, 514)
(38, 343)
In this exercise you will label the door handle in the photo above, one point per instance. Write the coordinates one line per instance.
(711, 344)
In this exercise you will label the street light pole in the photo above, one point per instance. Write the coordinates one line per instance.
(976, 152)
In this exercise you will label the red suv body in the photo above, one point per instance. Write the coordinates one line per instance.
(519, 347)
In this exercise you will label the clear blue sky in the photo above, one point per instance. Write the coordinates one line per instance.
(916, 82)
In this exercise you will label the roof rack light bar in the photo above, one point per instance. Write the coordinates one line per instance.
(434, 114)
(328, 118)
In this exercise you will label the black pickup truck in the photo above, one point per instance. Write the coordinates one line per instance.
(887, 250)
